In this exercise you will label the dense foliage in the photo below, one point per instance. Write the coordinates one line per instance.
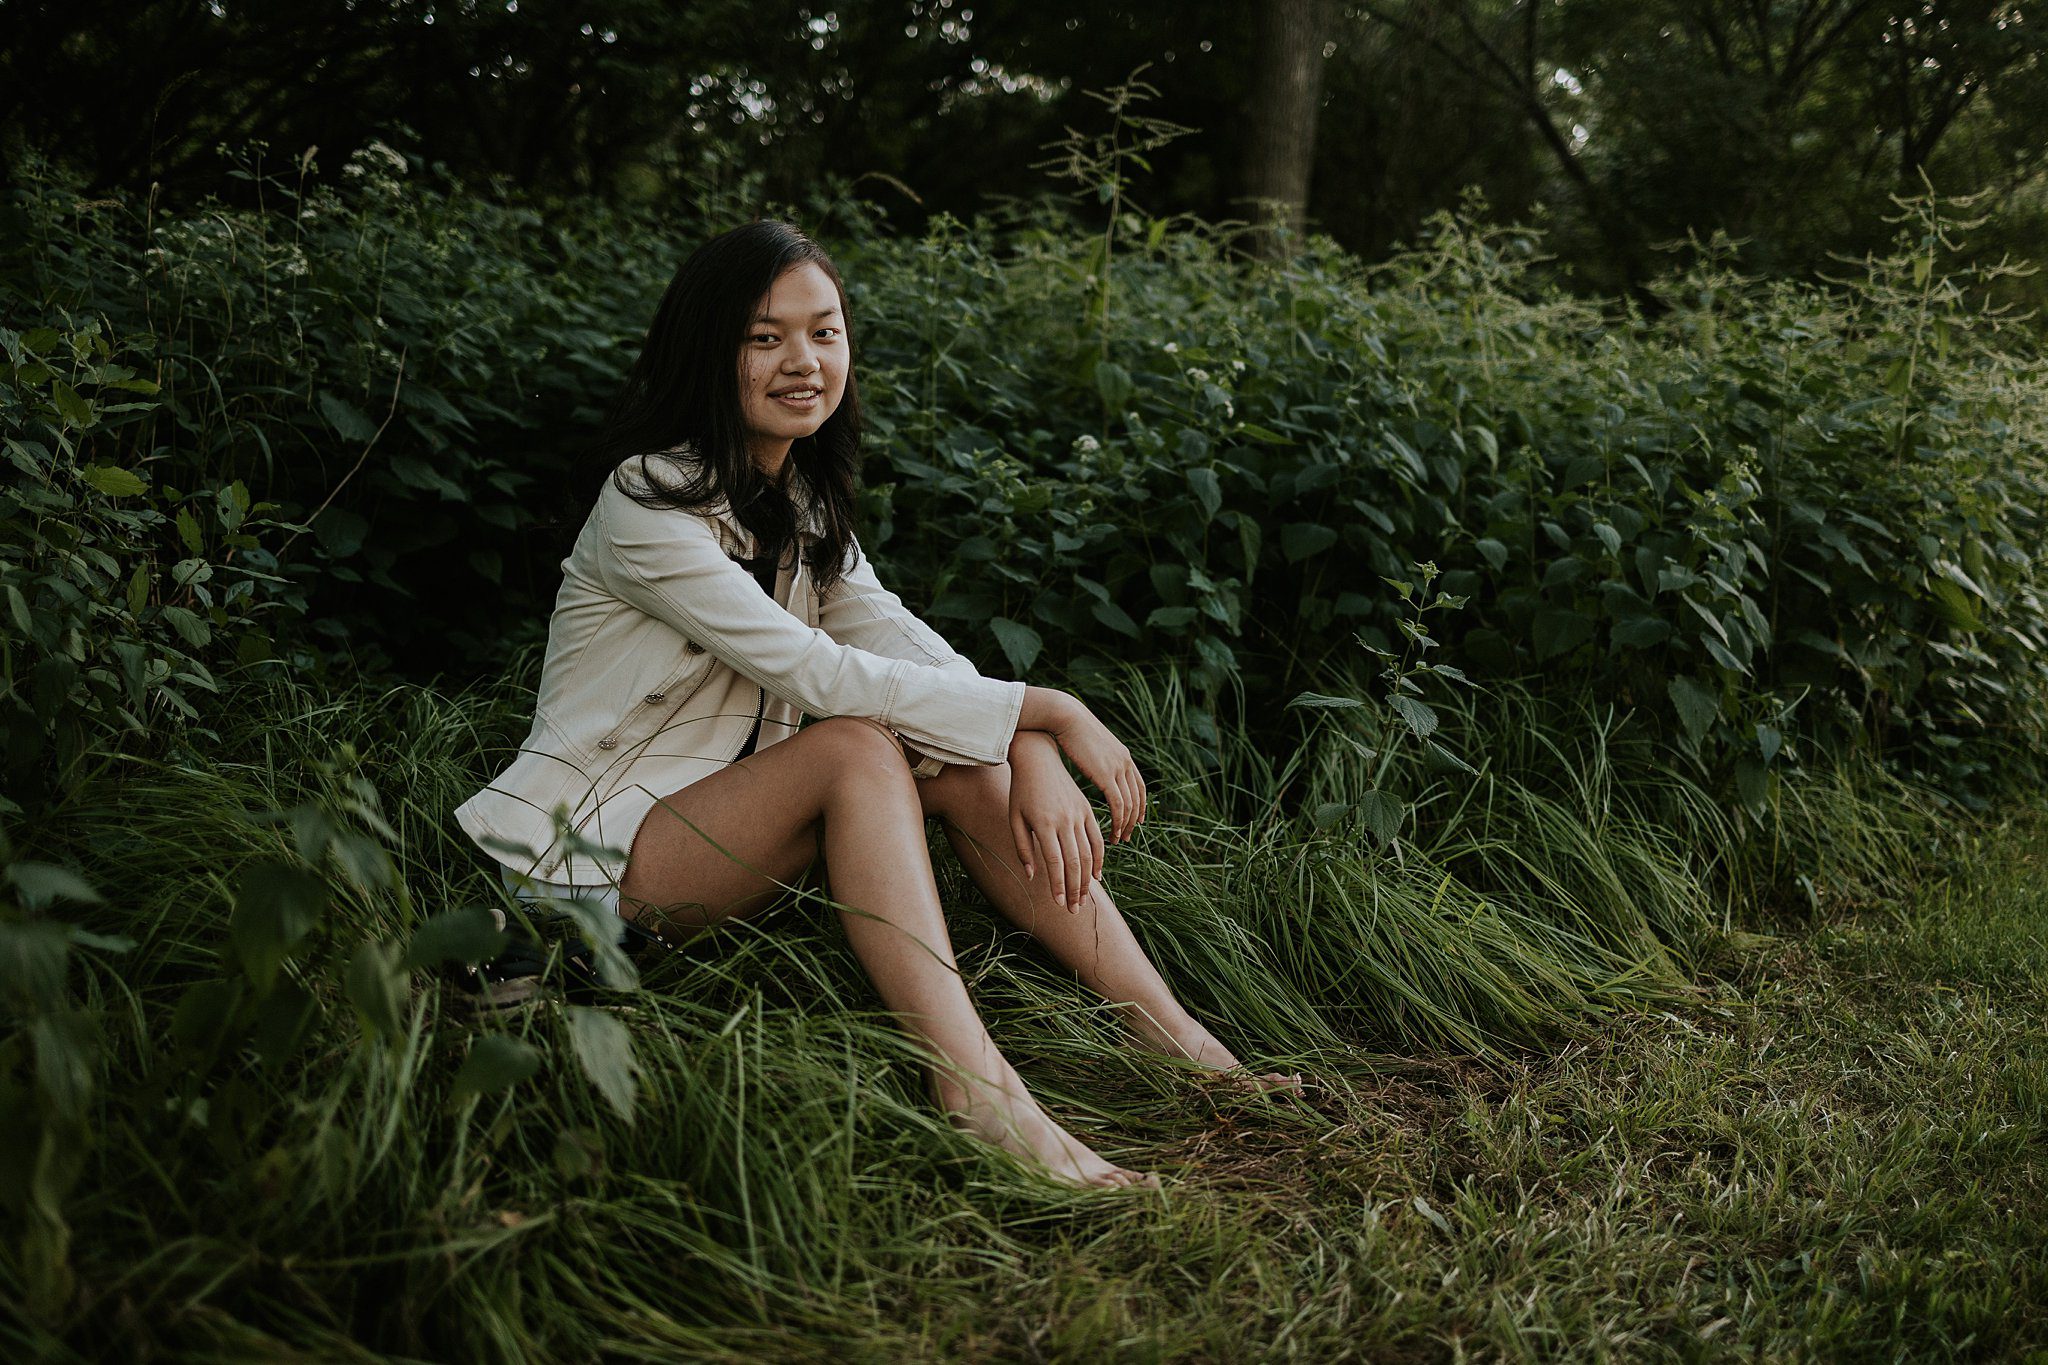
(1779, 516)
(1470, 634)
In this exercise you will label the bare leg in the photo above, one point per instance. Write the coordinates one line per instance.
(1093, 942)
(842, 785)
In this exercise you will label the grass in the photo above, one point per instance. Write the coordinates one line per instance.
(1599, 1078)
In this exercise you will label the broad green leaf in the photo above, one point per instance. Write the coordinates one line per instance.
(1558, 631)
(66, 1046)
(598, 926)
(340, 532)
(468, 935)
(1208, 490)
(17, 609)
(1449, 759)
(115, 483)
(1954, 605)
(346, 418)
(1698, 707)
(276, 906)
(495, 1063)
(1769, 740)
(193, 630)
(33, 954)
(1300, 539)
(1116, 618)
(1318, 699)
(188, 532)
(1021, 644)
(1113, 382)
(1493, 552)
(74, 409)
(1420, 715)
(1640, 632)
(44, 884)
(1382, 812)
(376, 985)
(1265, 434)
(604, 1048)
(1752, 783)
(1171, 618)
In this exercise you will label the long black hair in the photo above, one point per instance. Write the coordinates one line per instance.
(684, 391)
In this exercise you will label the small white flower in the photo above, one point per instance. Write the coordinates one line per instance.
(1086, 445)
(1198, 374)
(1237, 366)
(1171, 348)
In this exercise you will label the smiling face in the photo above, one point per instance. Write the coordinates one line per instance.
(793, 364)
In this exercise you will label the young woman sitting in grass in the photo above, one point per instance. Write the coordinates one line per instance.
(715, 597)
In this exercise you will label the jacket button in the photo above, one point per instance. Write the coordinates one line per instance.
(653, 697)
(607, 743)
(694, 647)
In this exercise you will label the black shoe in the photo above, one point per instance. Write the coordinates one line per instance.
(518, 973)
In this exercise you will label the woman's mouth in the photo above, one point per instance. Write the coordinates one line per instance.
(803, 400)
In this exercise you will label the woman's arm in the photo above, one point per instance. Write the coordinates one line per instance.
(857, 610)
(671, 565)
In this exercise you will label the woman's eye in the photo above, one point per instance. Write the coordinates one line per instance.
(824, 330)
(762, 336)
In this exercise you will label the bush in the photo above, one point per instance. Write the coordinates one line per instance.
(123, 593)
(1786, 519)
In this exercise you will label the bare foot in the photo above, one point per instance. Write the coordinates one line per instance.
(1020, 1127)
(1186, 1039)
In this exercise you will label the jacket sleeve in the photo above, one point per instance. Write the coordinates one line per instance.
(671, 565)
(859, 611)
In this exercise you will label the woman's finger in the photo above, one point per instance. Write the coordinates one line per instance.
(1020, 830)
(1055, 863)
(1078, 862)
(1094, 848)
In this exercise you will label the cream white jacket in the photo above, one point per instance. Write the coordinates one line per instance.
(661, 651)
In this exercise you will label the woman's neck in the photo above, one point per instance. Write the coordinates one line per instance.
(773, 462)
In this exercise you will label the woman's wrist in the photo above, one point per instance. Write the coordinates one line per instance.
(1048, 709)
(1030, 746)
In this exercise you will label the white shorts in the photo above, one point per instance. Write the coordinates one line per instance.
(534, 891)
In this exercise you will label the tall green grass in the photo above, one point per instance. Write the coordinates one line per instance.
(781, 1179)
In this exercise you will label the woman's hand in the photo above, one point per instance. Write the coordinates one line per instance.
(1099, 755)
(1051, 820)
(1103, 760)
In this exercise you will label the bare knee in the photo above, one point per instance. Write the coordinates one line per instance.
(858, 749)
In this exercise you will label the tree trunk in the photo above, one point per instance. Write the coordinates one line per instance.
(1280, 139)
